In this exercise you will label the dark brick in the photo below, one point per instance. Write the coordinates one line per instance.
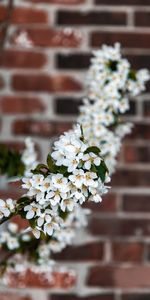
(136, 203)
(146, 108)
(104, 296)
(142, 18)
(90, 18)
(137, 296)
(73, 61)
(138, 61)
(123, 2)
(67, 106)
(127, 39)
(109, 204)
(88, 252)
(139, 131)
(114, 227)
(136, 153)
(131, 178)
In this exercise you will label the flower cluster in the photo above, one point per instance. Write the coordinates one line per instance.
(75, 173)
(7, 208)
(29, 157)
(110, 84)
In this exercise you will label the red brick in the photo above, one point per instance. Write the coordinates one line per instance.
(138, 60)
(45, 83)
(48, 37)
(127, 39)
(21, 105)
(88, 252)
(13, 296)
(24, 15)
(127, 252)
(136, 203)
(136, 154)
(65, 2)
(90, 18)
(131, 178)
(114, 227)
(123, 2)
(142, 18)
(104, 296)
(21, 59)
(109, 204)
(128, 277)
(64, 280)
(39, 128)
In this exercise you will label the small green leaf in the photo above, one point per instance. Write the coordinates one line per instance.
(93, 149)
(102, 170)
(132, 75)
(51, 165)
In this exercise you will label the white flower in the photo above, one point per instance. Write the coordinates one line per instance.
(55, 196)
(6, 207)
(32, 210)
(89, 179)
(43, 217)
(60, 182)
(89, 159)
(67, 204)
(77, 178)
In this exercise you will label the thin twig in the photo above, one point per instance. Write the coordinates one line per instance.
(6, 23)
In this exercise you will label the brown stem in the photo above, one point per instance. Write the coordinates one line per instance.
(5, 24)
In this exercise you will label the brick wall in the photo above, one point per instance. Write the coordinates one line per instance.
(41, 85)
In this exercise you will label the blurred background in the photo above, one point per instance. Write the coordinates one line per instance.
(45, 50)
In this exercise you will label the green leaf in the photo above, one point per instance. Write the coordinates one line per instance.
(93, 149)
(51, 165)
(102, 170)
(132, 75)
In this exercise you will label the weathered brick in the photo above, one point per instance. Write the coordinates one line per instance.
(90, 18)
(136, 203)
(127, 39)
(128, 277)
(127, 252)
(48, 37)
(24, 15)
(45, 83)
(87, 252)
(21, 59)
(13, 296)
(21, 105)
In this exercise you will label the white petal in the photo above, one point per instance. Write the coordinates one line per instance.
(30, 214)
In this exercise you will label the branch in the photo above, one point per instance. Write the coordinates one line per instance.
(5, 24)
